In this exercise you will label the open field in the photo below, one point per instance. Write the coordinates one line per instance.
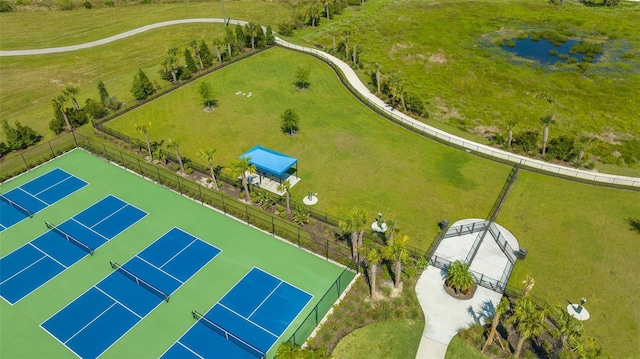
(30, 82)
(347, 154)
(397, 339)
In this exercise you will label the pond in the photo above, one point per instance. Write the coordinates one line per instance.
(539, 51)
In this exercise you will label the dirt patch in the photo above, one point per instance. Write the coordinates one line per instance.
(437, 59)
(400, 47)
(209, 109)
(447, 112)
(609, 137)
(485, 131)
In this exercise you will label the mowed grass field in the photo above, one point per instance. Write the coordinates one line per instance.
(346, 153)
(581, 244)
(242, 248)
(29, 83)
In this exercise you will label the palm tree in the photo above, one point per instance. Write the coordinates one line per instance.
(313, 13)
(208, 156)
(59, 103)
(240, 168)
(144, 129)
(218, 43)
(171, 62)
(511, 124)
(175, 145)
(396, 251)
(547, 121)
(71, 91)
(354, 225)
(252, 30)
(196, 51)
(529, 321)
(568, 328)
(500, 309)
(397, 90)
(285, 187)
(229, 39)
(326, 4)
(583, 143)
(346, 34)
(374, 258)
(458, 277)
(378, 77)
(528, 285)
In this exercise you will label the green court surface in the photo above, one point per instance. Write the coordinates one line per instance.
(242, 248)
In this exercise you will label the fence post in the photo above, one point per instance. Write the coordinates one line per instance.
(158, 171)
(246, 210)
(224, 205)
(122, 158)
(179, 184)
(25, 161)
(273, 227)
(298, 237)
(139, 166)
(200, 191)
(74, 139)
(327, 246)
(51, 148)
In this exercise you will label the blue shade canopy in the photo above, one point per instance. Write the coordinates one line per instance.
(267, 160)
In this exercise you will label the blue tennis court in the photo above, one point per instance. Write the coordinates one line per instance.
(98, 318)
(34, 196)
(32, 265)
(246, 322)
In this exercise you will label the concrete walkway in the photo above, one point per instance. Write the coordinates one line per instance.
(370, 97)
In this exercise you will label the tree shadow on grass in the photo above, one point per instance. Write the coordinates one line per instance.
(634, 224)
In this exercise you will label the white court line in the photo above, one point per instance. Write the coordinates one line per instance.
(89, 228)
(151, 264)
(24, 269)
(88, 324)
(186, 347)
(182, 250)
(117, 301)
(53, 185)
(265, 299)
(110, 214)
(32, 196)
(46, 254)
(247, 319)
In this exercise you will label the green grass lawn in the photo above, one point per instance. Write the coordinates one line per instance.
(460, 349)
(397, 339)
(346, 153)
(242, 248)
(580, 244)
(30, 82)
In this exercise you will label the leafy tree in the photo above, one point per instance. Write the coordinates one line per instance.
(270, 38)
(529, 321)
(205, 94)
(568, 329)
(396, 251)
(173, 144)
(302, 76)
(171, 63)
(261, 38)
(546, 121)
(189, 61)
(241, 39)
(378, 77)
(285, 187)
(326, 4)
(240, 168)
(582, 144)
(95, 109)
(502, 307)
(374, 257)
(196, 51)
(112, 103)
(397, 90)
(71, 91)
(5, 7)
(104, 94)
(18, 138)
(77, 117)
(208, 156)
(354, 225)
(144, 129)
(290, 122)
(59, 106)
(207, 59)
(4, 149)
(458, 277)
(141, 87)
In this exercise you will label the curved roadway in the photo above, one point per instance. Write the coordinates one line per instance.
(355, 82)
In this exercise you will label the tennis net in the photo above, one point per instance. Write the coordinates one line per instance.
(230, 337)
(16, 206)
(70, 239)
(139, 281)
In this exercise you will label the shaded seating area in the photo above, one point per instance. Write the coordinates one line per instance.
(272, 168)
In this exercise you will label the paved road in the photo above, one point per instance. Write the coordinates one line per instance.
(355, 82)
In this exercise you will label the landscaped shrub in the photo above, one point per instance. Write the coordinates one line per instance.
(87, 4)
(109, 3)
(525, 141)
(286, 29)
(562, 148)
(5, 6)
(66, 5)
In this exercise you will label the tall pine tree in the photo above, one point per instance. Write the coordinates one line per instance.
(104, 94)
(205, 53)
(188, 59)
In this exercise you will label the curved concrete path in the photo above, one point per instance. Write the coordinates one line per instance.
(371, 98)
